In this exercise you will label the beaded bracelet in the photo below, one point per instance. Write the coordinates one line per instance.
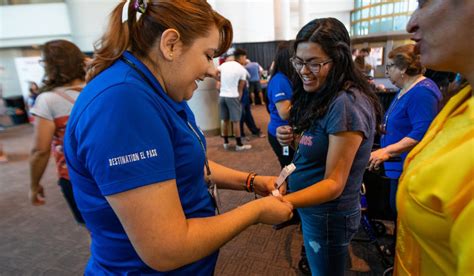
(249, 182)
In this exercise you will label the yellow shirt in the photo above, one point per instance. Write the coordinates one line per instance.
(435, 196)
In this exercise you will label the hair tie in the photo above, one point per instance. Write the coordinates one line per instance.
(138, 5)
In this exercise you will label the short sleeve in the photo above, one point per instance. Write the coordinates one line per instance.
(280, 90)
(350, 111)
(41, 107)
(125, 140)
(244, 74)
(422, 109)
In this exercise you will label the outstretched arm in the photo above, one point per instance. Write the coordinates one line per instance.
(227, 178)
(165, 239)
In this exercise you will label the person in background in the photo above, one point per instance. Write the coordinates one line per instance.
(247, 117)
(233, 79)
(334, 113)
(63, 80)
(364, 67)
(136, 156)
(280, 90)
(34, 91)
(435, 193)
(370, 60)
(409, 115)
(355, 53)
(255, 88)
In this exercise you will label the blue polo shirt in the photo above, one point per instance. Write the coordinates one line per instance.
(279, 89)
(123, 134)
(409, 116)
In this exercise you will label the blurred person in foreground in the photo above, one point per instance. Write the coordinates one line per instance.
(136, 156)
(334, 113)
(435, 195)
(63, 80)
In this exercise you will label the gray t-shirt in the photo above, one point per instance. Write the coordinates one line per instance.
(350, 111)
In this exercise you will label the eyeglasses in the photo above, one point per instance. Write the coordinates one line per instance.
(314, 67)
(388, 66)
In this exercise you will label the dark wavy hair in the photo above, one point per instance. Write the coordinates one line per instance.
(281, 62)
(334, 39)
(63, 63)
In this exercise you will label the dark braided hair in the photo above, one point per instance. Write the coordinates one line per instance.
(333, 38)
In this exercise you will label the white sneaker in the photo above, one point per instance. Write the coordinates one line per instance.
(226, 146)
(243, 147)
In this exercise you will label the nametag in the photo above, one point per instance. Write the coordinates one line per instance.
(286, 150)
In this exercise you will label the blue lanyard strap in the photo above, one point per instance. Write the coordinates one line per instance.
(211, 186)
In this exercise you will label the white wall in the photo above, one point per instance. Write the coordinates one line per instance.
(339, 9)
(252, 20)
(9, 81)
(88, 19)
(26, 25)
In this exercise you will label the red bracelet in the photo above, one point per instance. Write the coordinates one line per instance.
(249, 182)
(252, 178)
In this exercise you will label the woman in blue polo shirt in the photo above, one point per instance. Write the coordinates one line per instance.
(279, 92)
(409, 115)
(136, 155)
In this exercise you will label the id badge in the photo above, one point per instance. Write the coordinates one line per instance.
(286, 150)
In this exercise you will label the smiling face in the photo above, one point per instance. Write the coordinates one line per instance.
(310, 52)
(190, 66)
(443, 30)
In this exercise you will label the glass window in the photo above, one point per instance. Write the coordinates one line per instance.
(400, 22)
(375, 11)
(357, 15)
(358, 4)
(364, 28)
(375, 1)
(375, 25)
(404, 6)
(397, 8)
(387, 9)
(365, 13)
(386, 24)
(413, 5)
(365, 2)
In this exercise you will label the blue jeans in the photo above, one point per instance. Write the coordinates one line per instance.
(326, 236)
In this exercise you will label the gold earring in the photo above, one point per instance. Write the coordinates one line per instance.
(171, 55)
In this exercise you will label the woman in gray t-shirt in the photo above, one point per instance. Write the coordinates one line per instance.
(333, 120)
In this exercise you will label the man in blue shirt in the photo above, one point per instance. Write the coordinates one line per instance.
(255, 71)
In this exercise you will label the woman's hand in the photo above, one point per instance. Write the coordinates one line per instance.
(284, 135)
(37, 195)
(378, 157)
(274, 210)
(264, 185)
